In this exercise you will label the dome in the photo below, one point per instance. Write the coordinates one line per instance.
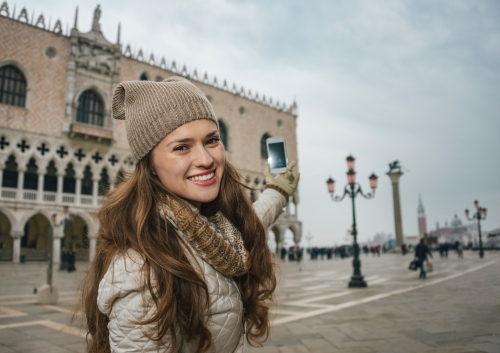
(456, 222)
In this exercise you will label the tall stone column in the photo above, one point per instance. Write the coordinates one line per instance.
(398, 223)
(16, 246)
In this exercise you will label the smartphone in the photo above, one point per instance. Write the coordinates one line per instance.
(276, 153)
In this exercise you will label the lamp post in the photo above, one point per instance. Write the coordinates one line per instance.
(353, 189)
(309, 237)
(480, 214)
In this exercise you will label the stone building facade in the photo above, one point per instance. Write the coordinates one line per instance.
(60, 149)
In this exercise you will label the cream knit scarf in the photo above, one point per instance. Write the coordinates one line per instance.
(215, 239)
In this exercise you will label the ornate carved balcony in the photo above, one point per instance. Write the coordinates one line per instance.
(91, 131)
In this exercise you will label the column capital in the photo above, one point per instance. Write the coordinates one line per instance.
(58, 230)
(394, 176)
(16, 234)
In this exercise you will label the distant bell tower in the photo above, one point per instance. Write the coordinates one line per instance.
(422, 224)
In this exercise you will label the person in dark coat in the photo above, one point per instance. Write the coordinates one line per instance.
(421, 251)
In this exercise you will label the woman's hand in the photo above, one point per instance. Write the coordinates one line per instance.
(286, 181)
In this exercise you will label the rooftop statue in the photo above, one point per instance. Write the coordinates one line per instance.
(97, 15)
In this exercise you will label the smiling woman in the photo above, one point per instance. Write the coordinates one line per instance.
(182, 263)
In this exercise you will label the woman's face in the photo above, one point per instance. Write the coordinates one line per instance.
(190, 161)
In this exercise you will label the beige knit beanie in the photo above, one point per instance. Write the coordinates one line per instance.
(152, 110)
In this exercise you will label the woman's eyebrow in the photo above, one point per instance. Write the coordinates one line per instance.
(189, 139)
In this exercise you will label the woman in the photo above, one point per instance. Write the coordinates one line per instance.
(182, 263)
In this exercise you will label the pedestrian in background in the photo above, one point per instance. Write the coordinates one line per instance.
(182, 262)
(460, 249)
(71, 259)
(421, 251)
(63, 266)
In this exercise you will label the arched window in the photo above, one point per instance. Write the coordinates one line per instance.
(263, 146)
(87, 184)
(223, 133)
(69, 181)
(31, 176)
(12, 86)
(144, 77)
(103, 182)
(90, 109)
(10, 173)
(50, 179)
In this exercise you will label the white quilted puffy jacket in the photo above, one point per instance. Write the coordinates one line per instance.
(123, 299)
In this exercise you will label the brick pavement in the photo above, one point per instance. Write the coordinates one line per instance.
(454, 310)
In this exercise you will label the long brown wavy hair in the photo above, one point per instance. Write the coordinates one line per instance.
(129, 219)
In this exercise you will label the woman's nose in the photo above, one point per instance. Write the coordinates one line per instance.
(203, 158)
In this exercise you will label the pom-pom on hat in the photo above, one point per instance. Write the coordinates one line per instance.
(152, 110)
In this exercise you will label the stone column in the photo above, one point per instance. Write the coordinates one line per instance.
(78, 188)
(58, 233)
(60, 180)
(20, 183)
(95, 191)
(16, 246)
(92, 246)
(398, 223)
(41, 178)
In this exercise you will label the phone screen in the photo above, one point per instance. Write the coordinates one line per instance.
(277, 157)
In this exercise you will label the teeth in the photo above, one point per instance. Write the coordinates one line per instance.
(202, 177)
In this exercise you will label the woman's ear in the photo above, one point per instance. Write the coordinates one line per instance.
(150, 162)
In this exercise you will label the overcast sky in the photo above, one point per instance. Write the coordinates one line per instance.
(416, 81)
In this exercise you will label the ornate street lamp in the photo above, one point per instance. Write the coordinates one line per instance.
(479, 215)
(353, 189)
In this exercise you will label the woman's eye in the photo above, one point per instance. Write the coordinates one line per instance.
(180, 148)
(213, 140)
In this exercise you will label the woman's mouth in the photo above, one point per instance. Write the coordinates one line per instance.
(202, 177)
(203, 180)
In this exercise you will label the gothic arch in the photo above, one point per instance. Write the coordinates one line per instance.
(32, 213)
(10, 216)
(36, 231)
(91, 223)
(6, 240)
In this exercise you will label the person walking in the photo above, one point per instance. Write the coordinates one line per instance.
(182, 262)
(460, 249)
(421, 251)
